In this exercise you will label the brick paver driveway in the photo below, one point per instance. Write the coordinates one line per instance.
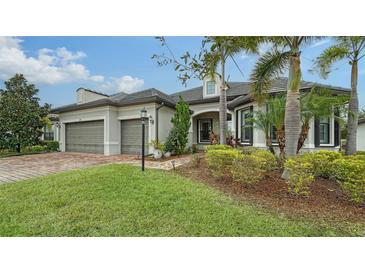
(23, 167)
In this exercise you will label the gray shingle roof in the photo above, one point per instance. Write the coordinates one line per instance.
(238, 93)
(123, 99)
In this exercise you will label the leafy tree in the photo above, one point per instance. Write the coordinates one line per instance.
(211, 61)
(21, 116)
(351, 48)
(178, 136)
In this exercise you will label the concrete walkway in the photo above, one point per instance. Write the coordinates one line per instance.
(17, 168)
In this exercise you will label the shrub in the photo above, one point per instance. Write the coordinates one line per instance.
(52, 145)
(267, 159)
(350, 172)
(322, 162)
(38, 148)
(248, 169)
(248, 150)
(220, 161)
(300, 175)
(218, 147)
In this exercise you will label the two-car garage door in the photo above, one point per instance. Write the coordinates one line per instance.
(85, 137)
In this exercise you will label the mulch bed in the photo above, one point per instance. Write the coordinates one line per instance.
(164, 159)
(326, 201)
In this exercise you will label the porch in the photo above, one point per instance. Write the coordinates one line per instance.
(204, 124)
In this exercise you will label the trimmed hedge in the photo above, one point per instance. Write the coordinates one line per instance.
(350, 172)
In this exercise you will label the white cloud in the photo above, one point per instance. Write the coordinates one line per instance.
(244, 56)
(125, 83)
(49, 67)
(320, 43)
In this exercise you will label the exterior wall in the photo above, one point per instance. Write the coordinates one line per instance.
(84, 96)
(361, 137)
(164, 124)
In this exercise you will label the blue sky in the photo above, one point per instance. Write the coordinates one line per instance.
(60, 65)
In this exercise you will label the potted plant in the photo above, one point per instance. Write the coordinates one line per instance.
(168, 148)
(158, 148)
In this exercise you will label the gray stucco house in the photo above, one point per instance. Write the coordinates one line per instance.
(110, 124)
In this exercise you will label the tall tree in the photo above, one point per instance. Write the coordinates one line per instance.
(351, 48)
(21, 117)
(285, 53)
(211, 62)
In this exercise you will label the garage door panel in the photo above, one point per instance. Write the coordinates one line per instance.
(85, 137)
(131, 137)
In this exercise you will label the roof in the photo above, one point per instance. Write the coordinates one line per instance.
(236, 89)
(94, 91)
(238, 93)
(122, 99)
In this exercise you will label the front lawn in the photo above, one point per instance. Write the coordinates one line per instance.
(119, 200)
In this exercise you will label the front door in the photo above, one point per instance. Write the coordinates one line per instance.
(205, 127)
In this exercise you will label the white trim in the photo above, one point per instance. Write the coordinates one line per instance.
(130, 117)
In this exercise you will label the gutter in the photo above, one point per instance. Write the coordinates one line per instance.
(157, 109)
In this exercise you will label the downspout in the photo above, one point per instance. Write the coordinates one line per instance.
(157, 109)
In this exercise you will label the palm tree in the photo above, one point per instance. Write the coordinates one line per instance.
(284, 54)
(318, 103)
(214, 60)
(351, 48)
(272, 117)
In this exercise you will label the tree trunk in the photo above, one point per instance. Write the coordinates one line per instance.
(222, 106)
(269, 145)
(292, 109)
(280, 133)
(303, 136)
(352, 117)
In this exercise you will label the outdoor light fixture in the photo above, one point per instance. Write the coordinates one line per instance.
(143, 121)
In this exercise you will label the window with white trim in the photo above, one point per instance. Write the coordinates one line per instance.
(324, 130)
(246, 126)
(210, 88)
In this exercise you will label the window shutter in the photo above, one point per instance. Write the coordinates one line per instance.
(337, 130)
(251, 131)
(316, 132)
(237, 113)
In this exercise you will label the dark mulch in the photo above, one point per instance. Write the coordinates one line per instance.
(326, 201)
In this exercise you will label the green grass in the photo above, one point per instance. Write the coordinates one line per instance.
(118, 200)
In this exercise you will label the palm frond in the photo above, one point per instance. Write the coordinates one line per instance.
(268, 67)
(329, 56)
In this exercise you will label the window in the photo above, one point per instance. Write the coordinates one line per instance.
(324, 131)
(48, 134)
(273, 134)
(246, 126)
(210, 88)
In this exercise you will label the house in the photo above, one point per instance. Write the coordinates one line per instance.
(110, 124)
(52, 132)
(361, 135)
